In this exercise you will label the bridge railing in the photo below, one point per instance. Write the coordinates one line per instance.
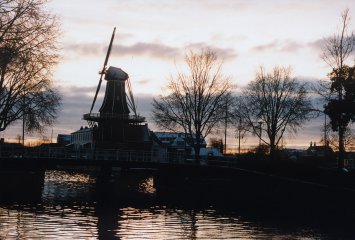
(87, 154)
(113, 155)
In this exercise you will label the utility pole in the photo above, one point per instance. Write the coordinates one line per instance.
(225, 129)
(52, 136)
(260, 132)
(23, 130)
(239, 129)
(325, 130)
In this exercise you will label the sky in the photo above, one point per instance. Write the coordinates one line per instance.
(152, 37)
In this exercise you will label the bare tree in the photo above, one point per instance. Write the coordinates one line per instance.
(195, 101)
(333, 138)
(340, 100)
(338, 48)
(273, 103)
(28, 49)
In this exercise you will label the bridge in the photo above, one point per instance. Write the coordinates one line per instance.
(52, 157)
(260, 182)
(58, 157)
(168, 168)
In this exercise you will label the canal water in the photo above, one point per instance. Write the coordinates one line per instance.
(82, 205)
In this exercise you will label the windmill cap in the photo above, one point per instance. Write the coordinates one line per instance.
(114, 73)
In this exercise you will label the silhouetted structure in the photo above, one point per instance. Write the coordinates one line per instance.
(113, 127)
(319, 155)
(319, 151)
(63, 139)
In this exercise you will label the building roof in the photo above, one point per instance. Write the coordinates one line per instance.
(176, 135)
(83, 130)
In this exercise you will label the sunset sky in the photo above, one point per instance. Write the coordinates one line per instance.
(152, 37)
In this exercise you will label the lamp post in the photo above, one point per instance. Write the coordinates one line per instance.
(225, 128)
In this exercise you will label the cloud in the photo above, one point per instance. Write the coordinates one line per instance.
(264, 47)
(143, 81)
(86, 49)
(155, 50)
(72, 90)
(291, 46)
(77, 102)
(318, 44)
(144, 105)
(286, 46)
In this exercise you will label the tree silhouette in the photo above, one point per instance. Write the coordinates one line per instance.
(195, 101)
(273, 103)
(333, 141)
(340, 105)
(27, 55)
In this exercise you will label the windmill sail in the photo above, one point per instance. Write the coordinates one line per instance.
(130, 98)
(103, 68)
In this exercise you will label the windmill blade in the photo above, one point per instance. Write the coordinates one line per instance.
(109, 49)
(130, 98)
(97, 91)
(103, 68)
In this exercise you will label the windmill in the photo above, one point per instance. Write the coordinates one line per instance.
(114, 123)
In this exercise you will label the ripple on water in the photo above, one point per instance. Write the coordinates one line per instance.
(69, 210)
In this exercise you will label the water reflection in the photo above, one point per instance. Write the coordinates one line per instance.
(127, 206)
(72, 187)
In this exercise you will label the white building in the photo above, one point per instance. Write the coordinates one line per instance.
(181, 145)
(83, 138)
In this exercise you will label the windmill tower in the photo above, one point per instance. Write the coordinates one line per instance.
(114, 126)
